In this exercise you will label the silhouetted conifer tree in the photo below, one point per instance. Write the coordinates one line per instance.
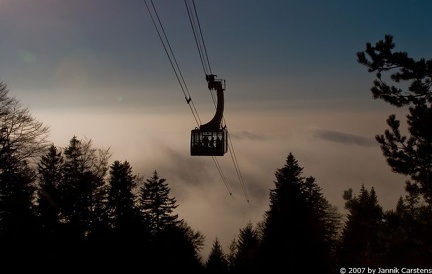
(156, 204)
(174, 245)
(412, 87)
(296, 227)
(179, 248)
(83, 195)
(362, 238)
(122, 197)
(50, 177)
(407, 232)
(217, 261)
(128, 228)
(246, 251)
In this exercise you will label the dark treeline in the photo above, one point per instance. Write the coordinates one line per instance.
(70, 208)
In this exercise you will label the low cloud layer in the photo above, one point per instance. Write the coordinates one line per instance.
(337, 159)
(344, 138)
(248, 135)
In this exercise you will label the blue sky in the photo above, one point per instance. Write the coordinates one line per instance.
(279, 50)
(96, 69)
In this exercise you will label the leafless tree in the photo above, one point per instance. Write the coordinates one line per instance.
(21, 135)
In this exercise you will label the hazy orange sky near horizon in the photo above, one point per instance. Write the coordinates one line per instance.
(96, 69)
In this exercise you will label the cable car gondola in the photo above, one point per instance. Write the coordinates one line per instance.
(201, 137)
(211, 139)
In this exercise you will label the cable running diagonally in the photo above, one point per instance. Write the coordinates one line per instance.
(234, 157)
(237, 168)
(222, 175)
(171, 57)
(199, 38)
(199, 41)
(174, 64)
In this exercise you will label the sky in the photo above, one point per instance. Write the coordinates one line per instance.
(96, 69)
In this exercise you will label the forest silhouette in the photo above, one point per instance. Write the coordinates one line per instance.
(71, 209)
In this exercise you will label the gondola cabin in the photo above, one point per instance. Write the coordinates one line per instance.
(209, 142)
(211, 139)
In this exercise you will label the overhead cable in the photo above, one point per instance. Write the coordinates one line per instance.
(171, 57)
(174, 64)
(202, 51)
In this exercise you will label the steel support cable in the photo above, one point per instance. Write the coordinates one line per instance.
(198, 42)
(222, 175)
(202, 50)
(237, 167)
(234, 157)
(176, 68)
(178, 76)
(202, 38)
(215, 159)
(198, 36)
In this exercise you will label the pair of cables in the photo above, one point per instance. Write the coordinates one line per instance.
(202, 51)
